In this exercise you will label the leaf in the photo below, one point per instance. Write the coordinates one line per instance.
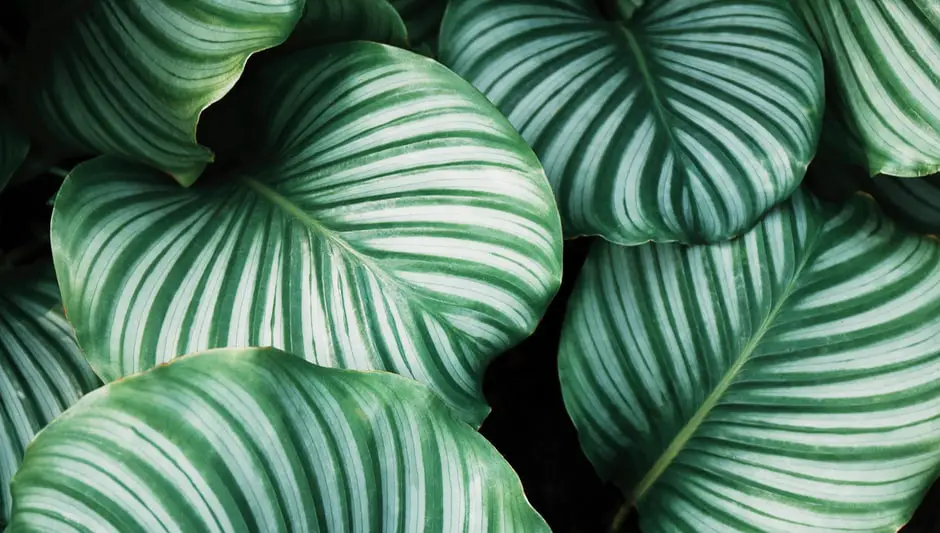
(883, 60)
(423, 19)
(14, 145)
(915, 202)
(788, 380)
(258, 440)
(392, 220)
(329, 21)
(42, 371)
(130, 78)
(686, 123)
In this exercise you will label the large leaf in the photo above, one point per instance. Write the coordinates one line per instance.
(392, 220)
(687, 122)
(14, 145)
(883, 61)
(788, 380)
(259, 440)
(131, 77)
(329, 21)
(42, 371)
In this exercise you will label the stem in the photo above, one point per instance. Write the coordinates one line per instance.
(620, 517)
(58, 171)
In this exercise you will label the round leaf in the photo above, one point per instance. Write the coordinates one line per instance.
(131, 77)
(883, 60)
(788, 380)
(392, 220)
(42, 371)
(259, 440)
(688, 122)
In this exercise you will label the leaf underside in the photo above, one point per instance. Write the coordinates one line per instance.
(259, 440)
(785, 381)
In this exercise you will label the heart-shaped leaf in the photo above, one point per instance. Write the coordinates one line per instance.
(42, 371)
(883, 61)
(788, 380)
(131, 77)
(259, 440)
(14, 145)
(392, 220)
(330, 21)
(687, 122)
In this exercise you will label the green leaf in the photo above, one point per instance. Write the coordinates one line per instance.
(915, 202)
(883, 60)
(788, 380)
(330, 21)
(259, 440)
(42, 371)
(131, 77)
(686, 123)
(392, 220)
(423, 19)
(14, 145)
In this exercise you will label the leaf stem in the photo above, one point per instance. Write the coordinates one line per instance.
(58, 171)
(617, 525)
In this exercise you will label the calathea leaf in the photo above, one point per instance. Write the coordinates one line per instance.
(788, 380)
(329, 21)
(131, 77)
(883, 61)
(686, 122)
(392, 219)
(259, 440)
(42, 371)
(915, 202)
(14, 145)
(423, 19)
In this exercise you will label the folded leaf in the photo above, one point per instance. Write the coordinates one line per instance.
(883, 60)
(259, 440)
(42, 371)
(392, 219)
(131, 77)
(686, 123)
(788, 380)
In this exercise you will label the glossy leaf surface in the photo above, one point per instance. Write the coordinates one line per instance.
(788, 380)
(330, 21)
(392, 220)
(130, 77)
(686, 123)
(259, 440)
(42, 371)
(883, 62)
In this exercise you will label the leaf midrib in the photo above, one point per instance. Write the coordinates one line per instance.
(690, 427)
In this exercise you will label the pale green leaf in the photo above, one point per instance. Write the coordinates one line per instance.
(686, 123)
(259, 440)
(392, 220)
(883, 62)
(785, 381)
(42, 371)
(329, 21)
(130, 77)
(14, 145)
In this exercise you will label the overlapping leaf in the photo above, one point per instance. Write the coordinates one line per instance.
(329, 21)
(913, 201)
(883, 61)
(42, 371)
(130, 78)
(423, 19)
(687, 122)
(392, 220)
(788, 380)
(259, 440)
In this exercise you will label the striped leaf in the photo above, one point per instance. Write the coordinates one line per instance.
(392, 220)
(329, 21)
(131, 77)
(686, 123)
(42, 371)
(14, 145)
(259, 440)
(915, 202)
(883, 62)
(788, 380)
(423, 19)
